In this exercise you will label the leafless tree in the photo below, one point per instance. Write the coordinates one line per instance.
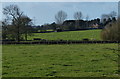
(60, 17)
(87, 17)
(113, 14)
(104, 17)
(77, 17)
(15, 14)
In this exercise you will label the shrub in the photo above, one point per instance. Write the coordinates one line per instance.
(111, 32)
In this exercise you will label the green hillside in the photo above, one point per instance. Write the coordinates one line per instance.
(69, 35)
(77, 60)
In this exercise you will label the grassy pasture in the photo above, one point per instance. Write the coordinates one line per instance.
(75, 60)
(69, 35)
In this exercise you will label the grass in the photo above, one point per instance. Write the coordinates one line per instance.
(75, 60)
(69, 35)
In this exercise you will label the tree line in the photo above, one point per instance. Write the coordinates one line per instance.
(18, 26)
(112, 31)
(78, 22)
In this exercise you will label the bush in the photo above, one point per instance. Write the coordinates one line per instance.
(111, 32)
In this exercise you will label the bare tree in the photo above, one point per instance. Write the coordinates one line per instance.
(20, 24)
(104, 17)
(87, 18)
(113, 14)
(77, 16)
(15, 14)
(60, 17)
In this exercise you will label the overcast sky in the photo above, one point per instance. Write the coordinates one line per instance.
(44, 12)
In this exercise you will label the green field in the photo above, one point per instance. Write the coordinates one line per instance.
(75, 60)
(69, 35)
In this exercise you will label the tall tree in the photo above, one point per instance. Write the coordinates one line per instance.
(60, 17)
(104, 17)
(87, 18)
(14, 12)
(77, 16)
(111, 31)
(113, 14)
(20, 24)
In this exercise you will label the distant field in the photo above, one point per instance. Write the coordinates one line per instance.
(77, 60)
(69, 35)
